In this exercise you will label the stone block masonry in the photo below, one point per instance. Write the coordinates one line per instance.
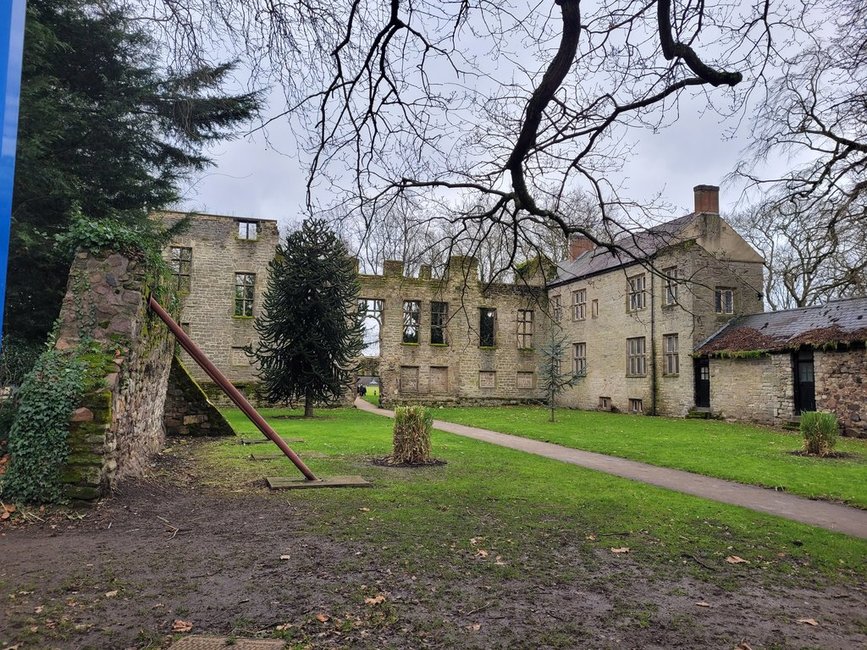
(188, 411)
(840, 387)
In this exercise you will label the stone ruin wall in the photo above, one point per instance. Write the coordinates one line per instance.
(120, 424)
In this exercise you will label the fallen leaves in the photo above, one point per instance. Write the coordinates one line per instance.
(181, 626)
(375, 600)
(481, 553)
(474, 627)
(808, 621)
(322, 618)
(743, 645)
(111, 594)
(734, 559)
(285, 556)
(622, 549)
(702, 603)
(6, 511)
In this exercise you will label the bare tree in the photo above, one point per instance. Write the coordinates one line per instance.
(508, 107)
(810, 256)
(816, 116)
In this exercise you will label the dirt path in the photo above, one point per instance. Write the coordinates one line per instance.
(119, 578)
(831, 516)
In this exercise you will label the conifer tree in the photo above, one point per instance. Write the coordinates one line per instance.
(552, 379)
(310, 331)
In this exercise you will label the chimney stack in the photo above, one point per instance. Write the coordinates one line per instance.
(578, 245)
(706, 199)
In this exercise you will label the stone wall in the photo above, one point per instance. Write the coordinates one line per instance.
(188, 411)
(119, 424)
(841, 387)
(218, 252)
(752, 389)
(462, 370)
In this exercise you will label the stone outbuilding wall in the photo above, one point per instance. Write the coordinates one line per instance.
(753, 389)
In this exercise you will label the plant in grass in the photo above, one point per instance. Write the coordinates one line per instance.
(551, 376)
(411, 442)
(820, 432)
(310, 330)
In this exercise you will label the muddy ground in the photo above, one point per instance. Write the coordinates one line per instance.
(245, 562)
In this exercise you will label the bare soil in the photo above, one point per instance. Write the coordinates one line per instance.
(248, 562)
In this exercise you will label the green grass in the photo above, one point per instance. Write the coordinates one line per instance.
(524, 509)
(748, 454)
(372, 395)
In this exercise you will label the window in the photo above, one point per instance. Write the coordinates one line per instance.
(524, 380)
(724, 300)
(636, 406)
(636, 360)
(525, 328)
(605, 403)
(594, 309)
(245, 289)
(670, 289)
(637, 296)
(556, 309)
(247, 230)
(411, 320)
(439, 316)
(579, 358)
(579, 304)
(181, 263)
(669, 349)
(371, 312)
(487, 327)
(487, 379)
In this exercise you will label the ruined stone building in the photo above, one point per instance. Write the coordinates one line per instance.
(636, 318)
(220, 265)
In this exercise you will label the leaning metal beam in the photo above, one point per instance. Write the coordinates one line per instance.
(233, 393)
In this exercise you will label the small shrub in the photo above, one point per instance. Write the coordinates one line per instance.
(412, 427)
(819, 431)
(38, 442)
(17, 357)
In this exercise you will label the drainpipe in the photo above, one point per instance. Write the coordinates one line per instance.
(654, 384)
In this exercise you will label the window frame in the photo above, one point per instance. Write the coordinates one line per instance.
(242, 299)
(636, 356)
(244, 230)
(636, 297)
(718, 301)
(579, 359)
(411, 321)
(671, 355)
(525, 329)
(439, 319)
(670, 286)
(579, 305)
(556, 309)
(178, 269)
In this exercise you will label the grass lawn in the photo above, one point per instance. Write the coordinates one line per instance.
(524, 507)
(738, 452)
(372, 395)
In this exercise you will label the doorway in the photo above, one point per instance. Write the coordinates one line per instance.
(805, 381)
(701, 369)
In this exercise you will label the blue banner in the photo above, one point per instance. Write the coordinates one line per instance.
(11, 51)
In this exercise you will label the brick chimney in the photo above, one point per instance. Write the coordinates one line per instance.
(706, 199)
(578, 245)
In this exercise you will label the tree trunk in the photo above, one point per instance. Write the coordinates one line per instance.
(308, 405)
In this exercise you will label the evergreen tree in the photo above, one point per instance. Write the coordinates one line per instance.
(551, 376)
(310, 331)
(104, 132)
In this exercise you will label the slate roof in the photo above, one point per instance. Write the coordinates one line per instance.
(632, 248)
(839, 321)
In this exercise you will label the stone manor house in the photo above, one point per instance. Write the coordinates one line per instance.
(649, 325)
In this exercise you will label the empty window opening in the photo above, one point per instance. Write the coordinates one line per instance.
(181, 264)
(411, 320)
(371, 314)
(525, 328)
(487, 327)
(439, 317)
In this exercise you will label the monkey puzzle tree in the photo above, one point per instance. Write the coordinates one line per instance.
(310, 331)
(552, 379)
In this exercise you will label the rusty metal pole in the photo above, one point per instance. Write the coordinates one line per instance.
(234, 394)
